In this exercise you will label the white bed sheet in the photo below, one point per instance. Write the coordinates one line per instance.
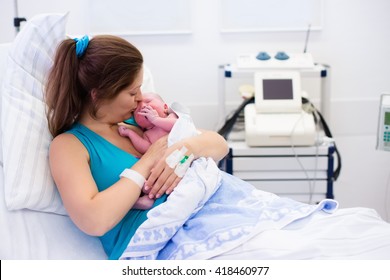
(348, 234)
(26, 234)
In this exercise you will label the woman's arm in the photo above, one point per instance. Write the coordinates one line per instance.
(207, 144)
(92, 211)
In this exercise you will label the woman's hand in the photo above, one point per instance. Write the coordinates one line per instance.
(163, 178)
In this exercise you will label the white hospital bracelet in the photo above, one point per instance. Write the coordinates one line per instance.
(133, 176)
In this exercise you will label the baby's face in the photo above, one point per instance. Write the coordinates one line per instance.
(154, 102)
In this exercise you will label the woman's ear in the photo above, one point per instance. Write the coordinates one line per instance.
(93, 95)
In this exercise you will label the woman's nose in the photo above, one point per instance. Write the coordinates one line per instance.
(139, 96)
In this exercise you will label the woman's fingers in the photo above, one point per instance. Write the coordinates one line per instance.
(165, 182)
(167, 186)
(155, 173)
(173, 185)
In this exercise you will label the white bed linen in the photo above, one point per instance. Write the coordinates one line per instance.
(26, 234)
(347, 234)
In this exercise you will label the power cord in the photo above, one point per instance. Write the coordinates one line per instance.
(311, 181)
(318, 117)
(387, 198)
(229, 123)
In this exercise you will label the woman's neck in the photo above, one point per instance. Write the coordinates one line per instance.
(100, 126)
(109, 131)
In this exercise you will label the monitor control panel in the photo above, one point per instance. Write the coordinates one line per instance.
(383, 137)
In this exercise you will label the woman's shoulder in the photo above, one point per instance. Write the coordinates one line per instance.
(64, 138)
(66, 142)
(75, 136)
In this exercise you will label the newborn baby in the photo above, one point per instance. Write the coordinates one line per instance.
(156, 120)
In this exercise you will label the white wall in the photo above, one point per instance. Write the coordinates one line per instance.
(354, 41)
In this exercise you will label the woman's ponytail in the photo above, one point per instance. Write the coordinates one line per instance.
(63, 98)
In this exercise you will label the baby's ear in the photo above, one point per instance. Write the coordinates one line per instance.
(166, 108)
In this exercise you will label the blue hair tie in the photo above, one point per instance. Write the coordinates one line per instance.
(81, 45)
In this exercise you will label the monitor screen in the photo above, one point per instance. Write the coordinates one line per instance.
(276, 89)
(387, 118)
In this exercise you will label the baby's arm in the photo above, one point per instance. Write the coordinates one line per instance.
(141, 143)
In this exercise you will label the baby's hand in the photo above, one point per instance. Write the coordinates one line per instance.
(123, 130)
(126, 132)
(148, 112)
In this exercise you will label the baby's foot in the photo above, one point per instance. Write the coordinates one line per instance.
(145, 189)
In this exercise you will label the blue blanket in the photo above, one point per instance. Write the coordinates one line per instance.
(211, 212)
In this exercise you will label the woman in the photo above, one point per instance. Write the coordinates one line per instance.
(92, 86)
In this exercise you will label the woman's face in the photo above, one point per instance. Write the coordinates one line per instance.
(124, 104)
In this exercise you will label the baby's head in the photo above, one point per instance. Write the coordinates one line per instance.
(156, 102)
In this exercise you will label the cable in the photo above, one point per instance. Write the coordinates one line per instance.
(387, 205)
(229, 123)
(328, 133)
(311, 181)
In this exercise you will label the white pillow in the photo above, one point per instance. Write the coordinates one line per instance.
(3, 58)
(25, 135)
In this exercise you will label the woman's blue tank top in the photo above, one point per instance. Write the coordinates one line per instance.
(107, 161)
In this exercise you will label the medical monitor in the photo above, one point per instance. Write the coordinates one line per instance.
(383, 136)
(278, 92)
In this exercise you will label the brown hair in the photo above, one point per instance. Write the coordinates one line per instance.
(109, 65)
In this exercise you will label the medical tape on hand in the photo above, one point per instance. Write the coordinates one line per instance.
(173, 159)
(183, 165)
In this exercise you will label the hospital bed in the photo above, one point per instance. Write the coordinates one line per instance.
(34, 224)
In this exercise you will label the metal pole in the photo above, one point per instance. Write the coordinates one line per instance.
(17, 19)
